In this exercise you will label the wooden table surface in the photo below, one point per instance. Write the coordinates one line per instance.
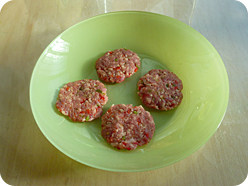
(27, 158)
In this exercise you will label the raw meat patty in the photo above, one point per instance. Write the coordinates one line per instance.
(82, 100)
(160, 89)
(127, 126)
(117, 65)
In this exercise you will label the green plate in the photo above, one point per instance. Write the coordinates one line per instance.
(161, 42)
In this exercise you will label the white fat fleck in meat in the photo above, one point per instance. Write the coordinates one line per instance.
(64, 112)
(148, 99)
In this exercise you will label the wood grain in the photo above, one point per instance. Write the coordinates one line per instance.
(27, 158)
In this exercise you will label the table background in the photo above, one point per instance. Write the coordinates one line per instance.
(27, 158)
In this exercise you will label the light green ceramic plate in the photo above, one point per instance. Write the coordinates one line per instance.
(161, 42)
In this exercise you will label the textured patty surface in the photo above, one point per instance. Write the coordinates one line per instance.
(127, 126)
(115, 66)
(160, 89)
(82, 100)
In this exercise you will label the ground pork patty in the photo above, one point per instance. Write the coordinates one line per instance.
(160, 89)
(127, 126)
(115, 66)
(82, 100)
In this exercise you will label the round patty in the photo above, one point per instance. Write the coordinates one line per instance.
(82, 100)
(117, 65)
(160, 89)
(126, 126)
